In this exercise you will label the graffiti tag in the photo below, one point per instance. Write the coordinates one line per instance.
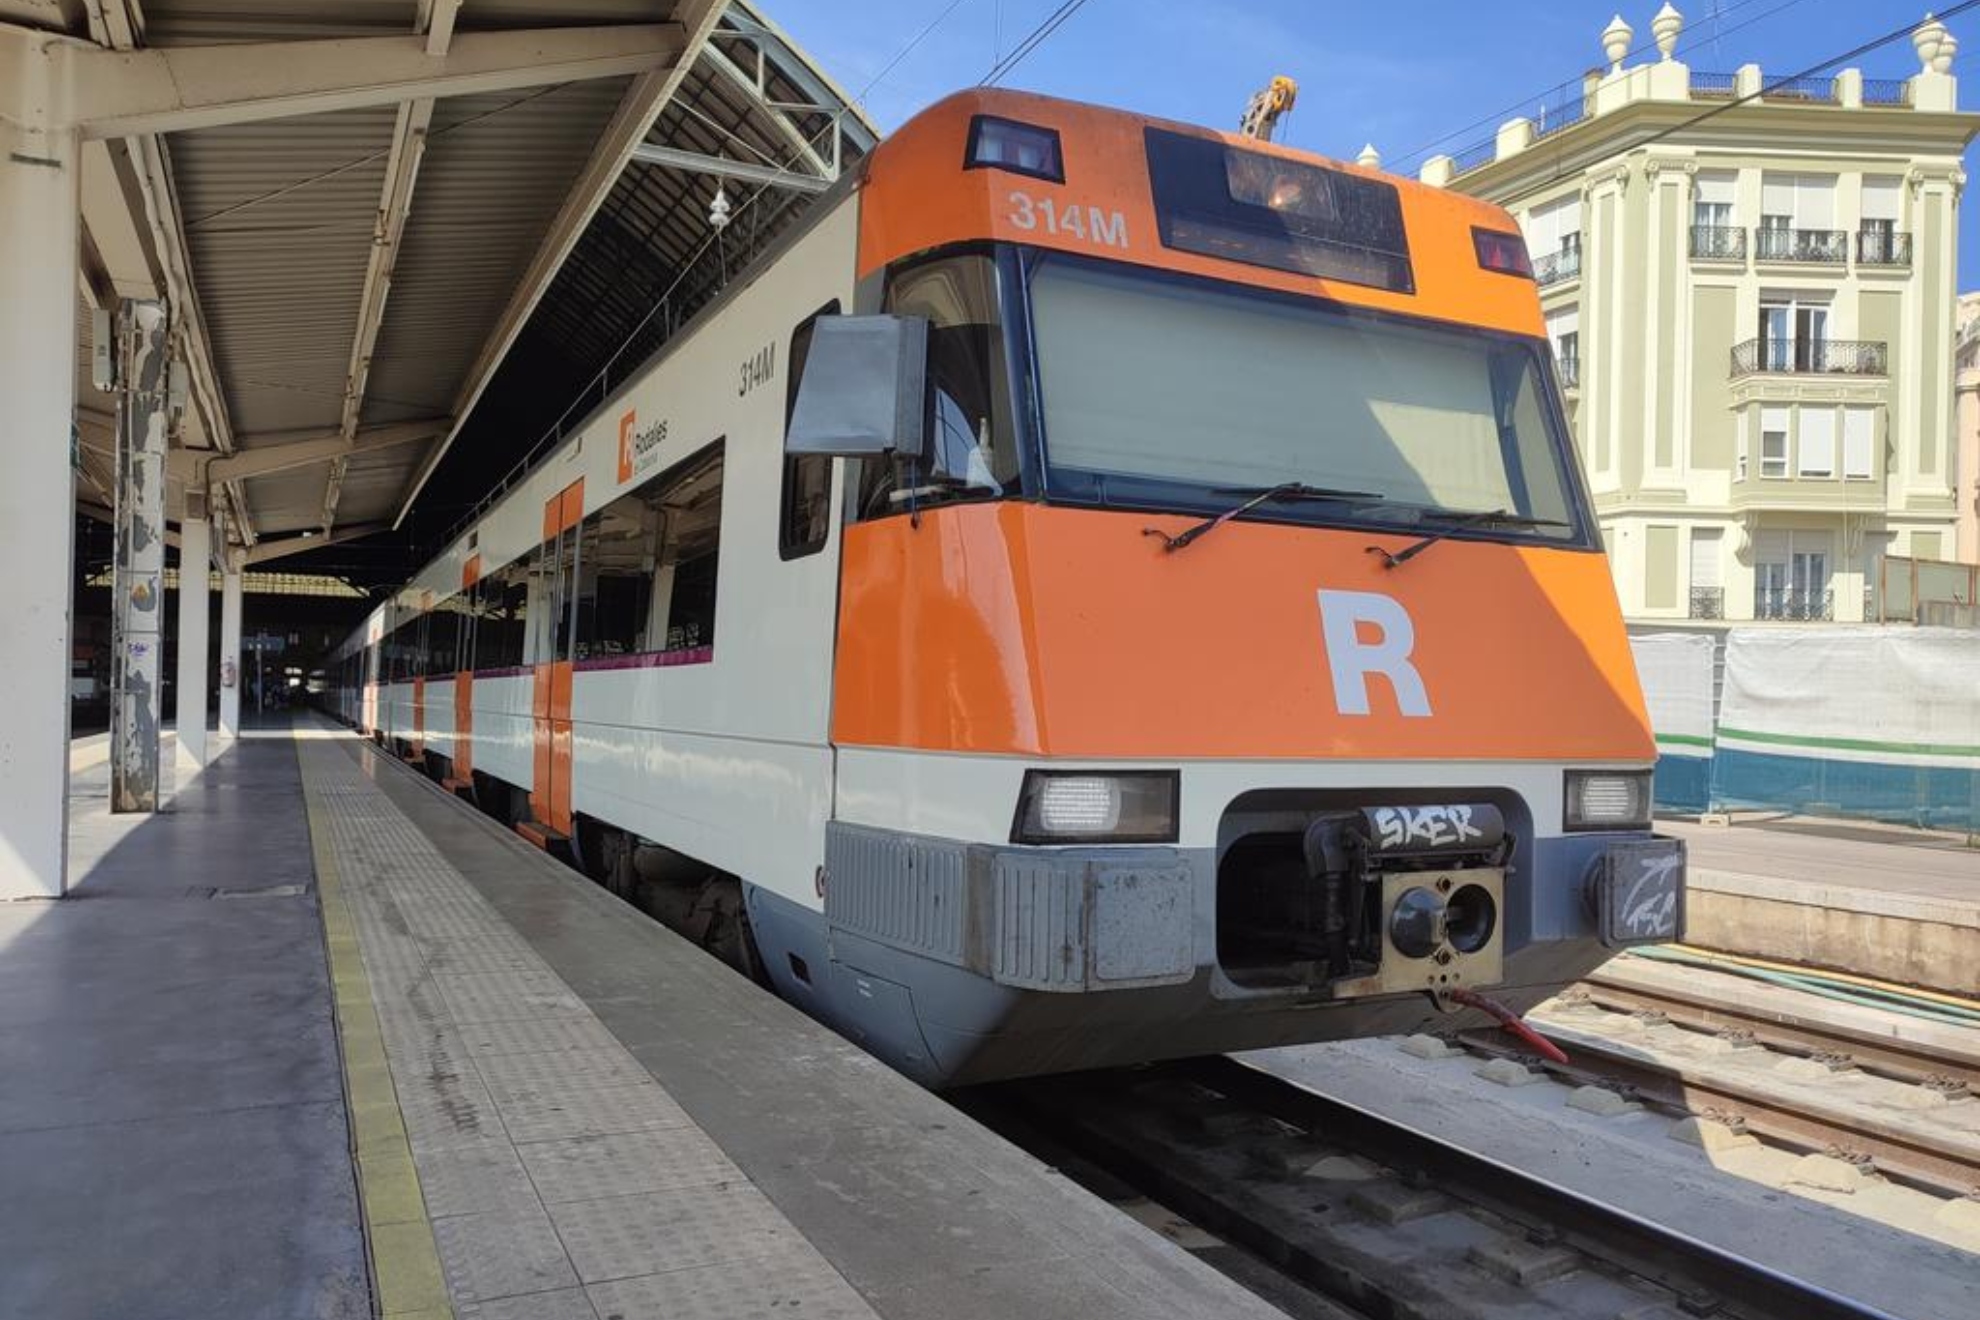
(1431, 827)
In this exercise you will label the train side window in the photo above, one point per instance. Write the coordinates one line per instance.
(805, 515)
(617, 558)
(501, 598)
(682, 605)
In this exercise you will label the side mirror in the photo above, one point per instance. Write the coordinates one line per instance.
(864, 390)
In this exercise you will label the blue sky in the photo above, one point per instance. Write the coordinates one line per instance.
(1414, 79)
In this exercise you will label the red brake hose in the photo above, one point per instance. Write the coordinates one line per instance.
(1510, 1020)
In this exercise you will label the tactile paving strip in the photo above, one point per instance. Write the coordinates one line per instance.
(547, 1154)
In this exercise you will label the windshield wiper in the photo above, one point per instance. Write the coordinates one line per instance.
(1285, 490)
(1455, 522)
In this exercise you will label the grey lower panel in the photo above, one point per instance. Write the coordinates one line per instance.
(1051, 919)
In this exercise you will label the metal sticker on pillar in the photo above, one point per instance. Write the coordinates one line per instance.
(139, 597)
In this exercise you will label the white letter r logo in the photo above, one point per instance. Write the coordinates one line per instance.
(1351, 659)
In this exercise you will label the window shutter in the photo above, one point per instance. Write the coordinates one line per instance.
(1817, 447)
(1715, 189)
(1859, 442)
(1880, 198)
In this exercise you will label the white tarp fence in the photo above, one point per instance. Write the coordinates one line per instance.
(1907, 696)
(1676, 671)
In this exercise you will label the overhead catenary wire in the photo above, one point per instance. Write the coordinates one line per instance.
(1895, 34)
(1037, 37)
(1415, 154)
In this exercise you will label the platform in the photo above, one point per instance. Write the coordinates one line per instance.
(529, 1099)
(1887, 902)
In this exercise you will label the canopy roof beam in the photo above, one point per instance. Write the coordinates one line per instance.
(722, 167)
(124, 93)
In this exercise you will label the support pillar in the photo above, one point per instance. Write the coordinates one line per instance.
(195, 560)
(137, 599)
(40, 217)
(230, 650)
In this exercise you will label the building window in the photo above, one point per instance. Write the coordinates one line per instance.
(1791, 575)
(1714, 236)
(1708, 593)
(1773, 442)
(1564, 333)
(1794, 335)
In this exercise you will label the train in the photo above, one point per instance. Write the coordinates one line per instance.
(1097, 590)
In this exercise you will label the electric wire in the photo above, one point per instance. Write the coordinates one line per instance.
(1417, 153)
(1895, 34)
(1037, 37)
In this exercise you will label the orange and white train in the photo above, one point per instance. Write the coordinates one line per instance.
(1099, 590)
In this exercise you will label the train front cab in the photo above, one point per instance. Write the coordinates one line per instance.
(1120, 777)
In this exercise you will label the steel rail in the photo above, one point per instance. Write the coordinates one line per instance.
(1911, 1156)
(1697, 1008)
(1700, 1273)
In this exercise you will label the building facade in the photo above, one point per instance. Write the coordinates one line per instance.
(1752, 306)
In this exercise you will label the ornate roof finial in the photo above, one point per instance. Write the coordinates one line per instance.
(1665, 27)
(1942, 58)
(1369, 157)
(1925, 39)
(1615, 42)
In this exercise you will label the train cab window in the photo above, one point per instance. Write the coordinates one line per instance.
(972, 445)
(805, 515)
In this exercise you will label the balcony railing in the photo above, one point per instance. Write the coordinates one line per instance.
(1825, 357)
(1708, 602)
(1802, 89)
(1777, 603)
(1884, 91)
(1479, 153)
(1569, 370)
(1718, 243)
(1555, 267)
(1874, 247)
(1711, 86)
(1818, 246)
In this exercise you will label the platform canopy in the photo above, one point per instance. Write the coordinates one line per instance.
(368, 217)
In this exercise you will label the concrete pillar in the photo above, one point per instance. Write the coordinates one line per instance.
(231, 677)
(137, 600)
(40, 217)
(195, 558)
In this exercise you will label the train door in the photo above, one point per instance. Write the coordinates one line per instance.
(421, 651)
(463, 775)
(550, 698)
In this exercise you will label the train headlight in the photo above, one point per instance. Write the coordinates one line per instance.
(1607, 800)
(1097, 806)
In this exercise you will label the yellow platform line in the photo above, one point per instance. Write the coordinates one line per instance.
(405, 1265)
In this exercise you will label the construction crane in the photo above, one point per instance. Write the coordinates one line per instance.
(1267, 107)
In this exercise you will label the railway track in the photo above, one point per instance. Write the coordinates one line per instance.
(1333, 1208)
(1789, 1068)
(1371, 1217)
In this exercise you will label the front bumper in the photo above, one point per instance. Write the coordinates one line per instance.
(1072, 920)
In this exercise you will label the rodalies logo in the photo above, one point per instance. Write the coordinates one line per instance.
(636, 445)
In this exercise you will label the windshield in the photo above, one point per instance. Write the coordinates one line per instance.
(1162, 390)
